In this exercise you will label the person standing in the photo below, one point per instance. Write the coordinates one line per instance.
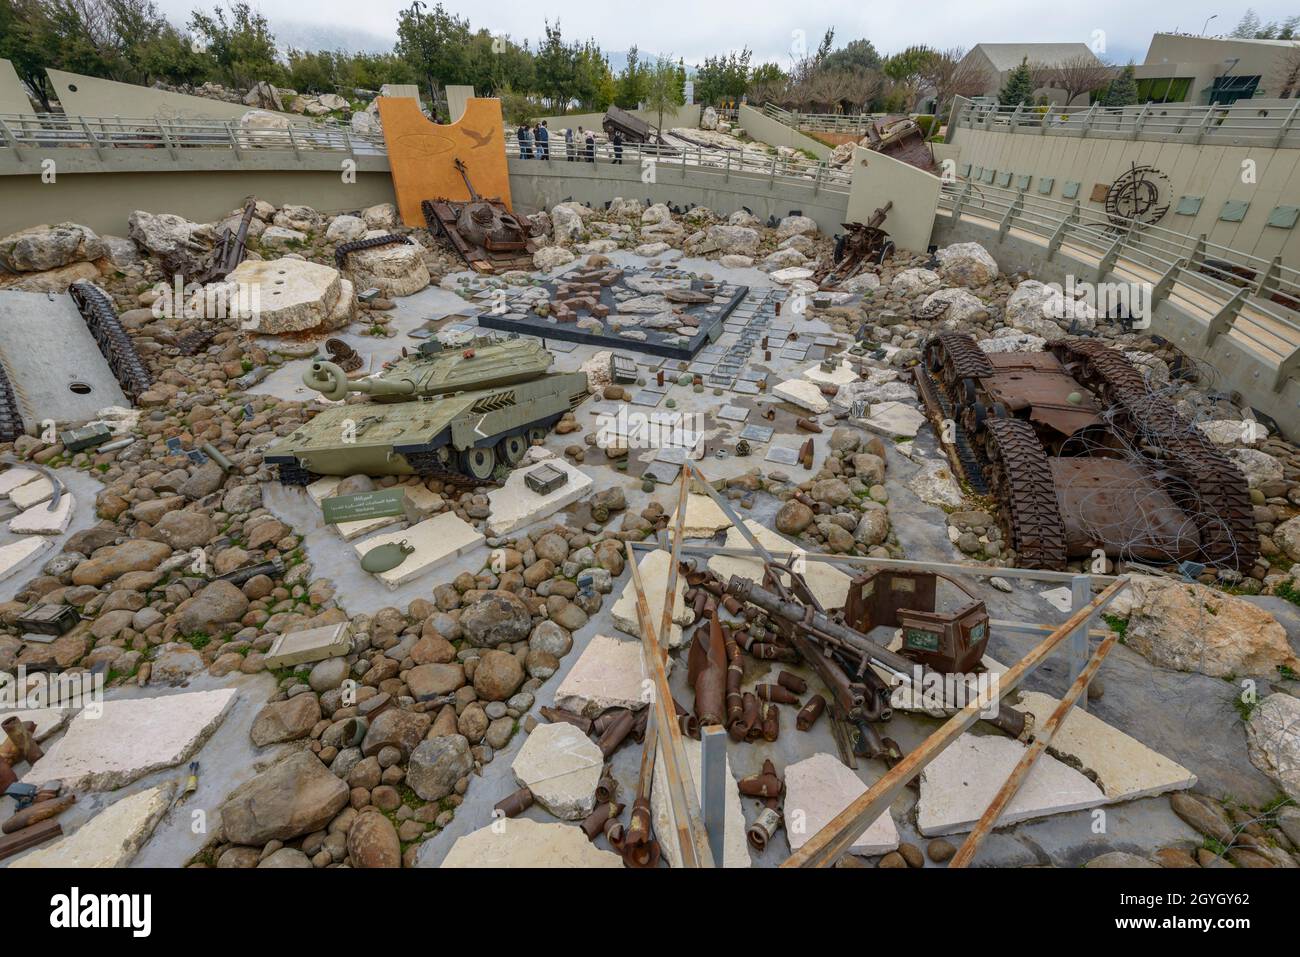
(591, 147)
(568, 143)
(543, 141)
(525, 142)
(617, 140)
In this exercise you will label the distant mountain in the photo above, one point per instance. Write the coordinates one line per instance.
(300, 35)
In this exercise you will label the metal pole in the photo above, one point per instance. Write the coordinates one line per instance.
(1080, 596)
(713, 769)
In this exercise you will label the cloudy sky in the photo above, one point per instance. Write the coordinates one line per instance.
(694, 29)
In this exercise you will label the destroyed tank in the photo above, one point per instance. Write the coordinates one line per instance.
(1079, 454)
(484, 232)
(450, 412)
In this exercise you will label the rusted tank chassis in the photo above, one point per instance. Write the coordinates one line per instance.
(1080, 454)
(483, 232)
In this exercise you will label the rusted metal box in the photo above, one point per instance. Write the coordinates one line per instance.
(945, 641)
(49, 620)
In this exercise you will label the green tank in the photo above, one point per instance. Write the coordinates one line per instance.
(442, 411)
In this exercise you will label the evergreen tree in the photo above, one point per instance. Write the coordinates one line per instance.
(1123, 89)
(1019, 87)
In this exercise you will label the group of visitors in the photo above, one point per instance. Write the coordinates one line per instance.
(535, 143)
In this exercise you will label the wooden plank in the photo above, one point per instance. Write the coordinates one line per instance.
(1042, 739)
(824, 847)
(11, 844)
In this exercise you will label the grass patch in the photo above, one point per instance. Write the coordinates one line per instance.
(1116, 624)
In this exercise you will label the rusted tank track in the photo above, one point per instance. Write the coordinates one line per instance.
(1020, 476)
(1207, 485)
(343, 250)
(192, 343)
(1008, 457)
(101, 318)
(938, 404)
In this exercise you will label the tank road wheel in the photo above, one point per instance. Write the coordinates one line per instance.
(478, 463)
(1020, 478)
(536, 434)
(511, 449)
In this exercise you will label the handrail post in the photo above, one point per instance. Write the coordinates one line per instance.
(1286, 125)
(1223, 319)
(293, 140)
(11, 139)
(166, 137)
(1016, 206)
(99, 152)
(1087, 120)
(1270, 280)
(234, 140)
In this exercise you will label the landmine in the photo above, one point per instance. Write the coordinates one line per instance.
(107, 752)
(436, 540)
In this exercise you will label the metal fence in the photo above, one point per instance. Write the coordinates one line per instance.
(42, 131)
(820, 176)
(1256, 300)
(820, 122)
(1243, 123)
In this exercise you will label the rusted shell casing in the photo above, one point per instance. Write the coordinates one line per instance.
(771, 723)
(614, 833)
(615, 733)
(792, 682)
(556, 715)
(640, 849)
(807, 425)
(751, 715)
(808, 716)
(765, 651)
(593, 825)
(806, 455)
(7, 776)
(514, 804)
(707, 672)
(764, 828)
(765, 784)
(36, 813)
(770, 692)
(606, 787)
(638, 729)
(20, 736)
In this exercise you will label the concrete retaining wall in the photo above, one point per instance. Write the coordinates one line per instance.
(763, 128)
(13, 95)
(879, 179)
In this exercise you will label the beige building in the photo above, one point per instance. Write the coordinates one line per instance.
(1204, 70)
(999, 59)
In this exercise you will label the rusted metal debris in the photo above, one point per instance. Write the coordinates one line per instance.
(1080, 454)
(343, 355)
(483, 232)
(902, 138)
(231, 247)
(861, 245)
(633, 128)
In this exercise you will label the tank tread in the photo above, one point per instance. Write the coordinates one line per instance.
(11, 420)
(938, 402)
(427, 465)
(192, 343)
(343, 250)
(101, 318)
(1215, 494)
(966, 358)
(1021, 478)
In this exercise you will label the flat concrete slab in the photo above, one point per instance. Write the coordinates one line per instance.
(805, 394)
(561, 766)
(323, 488)
(435, 540)
(520, 842)
(131, 738)
(515, 505)
(32, 493)
(351, 531)
(958, 785)
(829, 584)
(109, 839)
(40, 520)
(15, 555)
(53, 362)
(311, 644)
(610, 673)
(15, 476)
(893, 419)
(654, 580)
(1123, 767)
(704, 518)
(735, 846)
(820, 787)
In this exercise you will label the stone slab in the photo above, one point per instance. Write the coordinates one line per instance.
(323, 488)
(958, 785)
(110, 751)
(610, 673)
(829, 584)
(561, 766)
(654, 579)
(436, 541)
(735, 845)
(704, 518)
(1122, 766)
(893, 419)
(310, 644)
(514, 505)
(33, 493)
(16, 476)
(842, 375)
(802, 393)
(16, 554)
(109, 839)
(820, 787)
(39, 520)
(351, 531)
(521, 842)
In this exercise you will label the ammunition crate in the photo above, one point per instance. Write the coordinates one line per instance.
(545, 479)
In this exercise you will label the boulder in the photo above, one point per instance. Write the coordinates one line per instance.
(734, 240)
(381, 216)
(911, 282)
(497, 675)
(373, 841)
(709, 118)
(344, 229)
(185, 529)
(113, 561)
(286, 720)
(1033, 303)
(552, 257)
(218, 604)
(967, 264)
(395, 270)
(1273, 741)
(296, 796)
(437, 764)
(962, 306)
(48, 247)
(395, 728)
(1189, 627)
(292, 294)
(501, 617)
(796, 226)
(179, 245)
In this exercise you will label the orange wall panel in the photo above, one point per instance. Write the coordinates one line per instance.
(421, 154)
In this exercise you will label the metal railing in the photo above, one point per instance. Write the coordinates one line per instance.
(820, 122)
(42, 131)
(743, 162)
(1271, 126)
(1255, 300)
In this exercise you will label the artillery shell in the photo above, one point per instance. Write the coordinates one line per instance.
(593, 825)
(806, 718)
(776, 693)
(556, 715)
(606, 787)
(516, 803)
(793, 682)
(616, 733)
(764, 828)
(808, 425)
(771, 723)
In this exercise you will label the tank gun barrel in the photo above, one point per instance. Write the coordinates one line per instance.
(332, 382)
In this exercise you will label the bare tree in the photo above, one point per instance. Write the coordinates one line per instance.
(1042, 75)
(949, 74)
(1081, 74)
(1286, 74)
